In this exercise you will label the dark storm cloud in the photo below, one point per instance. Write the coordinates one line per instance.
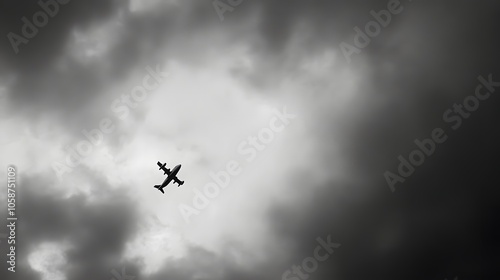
(44, 78)
(96, 229)
(93, 232)
(50, 39)
(428, 229)
(319, 25)
(38, 84)
(35, 57)
(438, 223)
(41, 81)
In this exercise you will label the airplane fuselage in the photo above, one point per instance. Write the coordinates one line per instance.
(171, 176)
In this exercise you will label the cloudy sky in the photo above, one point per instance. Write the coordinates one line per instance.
(309, 104)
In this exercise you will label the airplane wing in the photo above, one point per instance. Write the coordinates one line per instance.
(179, 182)
(162, 167)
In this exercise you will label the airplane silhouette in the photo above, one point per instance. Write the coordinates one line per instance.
(171, 175)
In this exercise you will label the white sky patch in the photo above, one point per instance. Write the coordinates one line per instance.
(26, 141)
(225, 118)
(197, 118)
(154, 243)
(49, 260)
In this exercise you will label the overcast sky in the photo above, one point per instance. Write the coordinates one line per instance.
(308, 115)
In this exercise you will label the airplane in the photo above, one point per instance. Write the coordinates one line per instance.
(171, 175)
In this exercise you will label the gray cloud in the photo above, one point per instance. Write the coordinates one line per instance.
(439, 223)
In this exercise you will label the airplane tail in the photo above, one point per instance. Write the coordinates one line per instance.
(181, 183)
(161, 165)
(159, 188)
